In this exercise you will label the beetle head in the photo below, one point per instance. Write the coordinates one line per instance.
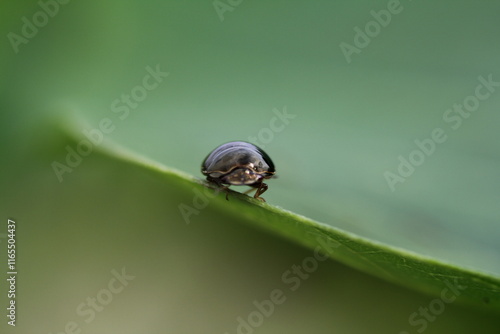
(241, 176)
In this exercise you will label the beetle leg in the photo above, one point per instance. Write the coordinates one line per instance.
(262, 187)
(220, 186)
(250, 190)
(255, 187)
(259, 189)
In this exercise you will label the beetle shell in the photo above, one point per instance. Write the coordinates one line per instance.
(239, 163)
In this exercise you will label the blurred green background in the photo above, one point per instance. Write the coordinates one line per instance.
(228, 79)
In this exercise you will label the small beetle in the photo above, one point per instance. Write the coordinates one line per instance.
(239, 163)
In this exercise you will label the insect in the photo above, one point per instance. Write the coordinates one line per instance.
(239, 163)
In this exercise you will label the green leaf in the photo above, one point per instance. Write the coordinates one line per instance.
(393, 264)
(350, 122)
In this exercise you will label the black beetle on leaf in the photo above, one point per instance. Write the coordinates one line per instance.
(239, 163)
